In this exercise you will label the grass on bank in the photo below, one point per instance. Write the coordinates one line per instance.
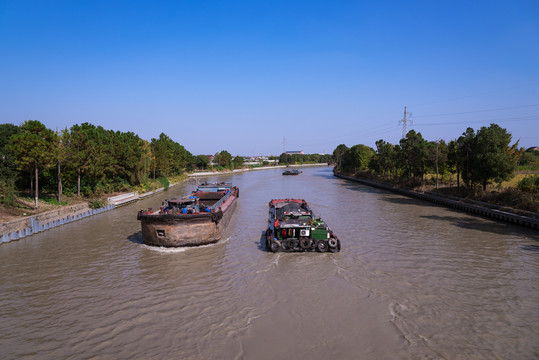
(14, 204)
(521, 192)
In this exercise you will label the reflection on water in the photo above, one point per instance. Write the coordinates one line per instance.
(413, 280)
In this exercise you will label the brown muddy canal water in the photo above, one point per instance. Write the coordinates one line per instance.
(413, 281)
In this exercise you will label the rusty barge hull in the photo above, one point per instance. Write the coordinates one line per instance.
(184, 230)
(196, 229)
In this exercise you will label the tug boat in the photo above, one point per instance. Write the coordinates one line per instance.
(292, 227)
(292, 172)
(193, 220)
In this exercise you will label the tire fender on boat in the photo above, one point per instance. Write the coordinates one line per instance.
(269, 237)
(322, 245)
(217, 216)
(275, 245)
(305, 243)
(292, 243)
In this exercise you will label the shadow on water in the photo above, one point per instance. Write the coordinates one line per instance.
(262, 243)
(348, 184)
(486, 225)
(136, 238)
(408, 201)
(362, 188)
(533, 248)
(324, 174)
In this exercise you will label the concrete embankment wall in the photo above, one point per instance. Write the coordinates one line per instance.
(18, 229)
(529, 220)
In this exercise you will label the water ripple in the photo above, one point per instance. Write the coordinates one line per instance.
(413, 281)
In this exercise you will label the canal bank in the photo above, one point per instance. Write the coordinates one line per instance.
(30, 225)
(18, 229)
(522, 218)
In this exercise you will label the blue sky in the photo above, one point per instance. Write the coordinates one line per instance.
(243, 75)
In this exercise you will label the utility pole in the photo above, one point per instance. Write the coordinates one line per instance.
(437, 143)
(404, 122)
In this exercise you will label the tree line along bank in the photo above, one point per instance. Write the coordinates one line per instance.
(89, 161)
(475, 159)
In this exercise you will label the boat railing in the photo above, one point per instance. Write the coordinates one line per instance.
(221, 201)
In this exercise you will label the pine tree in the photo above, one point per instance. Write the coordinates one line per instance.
(33, 148)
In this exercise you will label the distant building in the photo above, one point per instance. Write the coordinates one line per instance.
(294, 152)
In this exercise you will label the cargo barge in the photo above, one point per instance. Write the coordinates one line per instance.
(292, 172)
(193, 220)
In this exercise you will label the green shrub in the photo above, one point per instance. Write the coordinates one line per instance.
(67, 191)
(97, 203)
(86, 190)
(529, 184)
(7, 193)
(164, 182)
(53, 201)
(529, 161)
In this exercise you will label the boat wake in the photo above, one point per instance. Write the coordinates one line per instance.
(175, 250)
(270, 265)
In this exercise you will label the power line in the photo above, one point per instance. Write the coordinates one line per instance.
(510, 119)
(501, 90)
(478, 111)
(382, 129)
(326, 140)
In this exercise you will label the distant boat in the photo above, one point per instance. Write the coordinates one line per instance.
(293, 228)
(197, 219)
(292, 172)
